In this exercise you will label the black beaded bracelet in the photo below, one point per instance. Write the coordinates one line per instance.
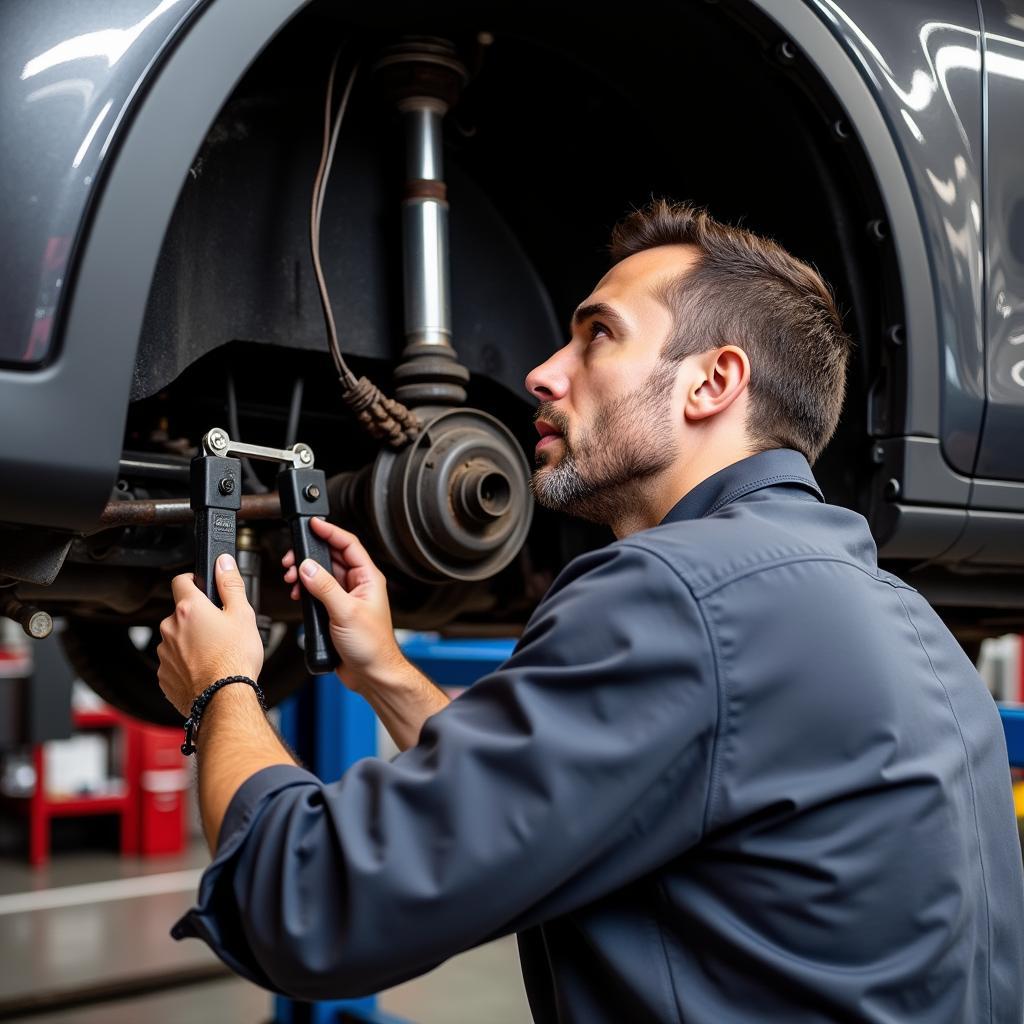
(199, 705)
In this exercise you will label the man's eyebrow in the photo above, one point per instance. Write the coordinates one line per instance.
(602, 310)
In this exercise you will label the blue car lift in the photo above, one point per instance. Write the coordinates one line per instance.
(1012, 716)
(330, 728)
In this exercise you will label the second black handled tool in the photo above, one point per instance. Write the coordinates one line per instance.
(303, 492)
(304, 495)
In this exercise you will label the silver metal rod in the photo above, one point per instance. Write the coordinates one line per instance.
(423, 116)
(427, 288)
(425, 227)
(155, 466)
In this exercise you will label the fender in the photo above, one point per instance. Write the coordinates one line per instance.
(182, 60)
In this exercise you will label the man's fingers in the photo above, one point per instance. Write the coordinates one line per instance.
(357, 577)
(337, 567)
(323, 586)
(230, 584)
(182, 585)
(342, 542)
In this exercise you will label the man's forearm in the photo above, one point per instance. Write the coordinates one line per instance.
(403, 698)
(235, 741)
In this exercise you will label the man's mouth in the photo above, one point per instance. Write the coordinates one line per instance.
(548, 434)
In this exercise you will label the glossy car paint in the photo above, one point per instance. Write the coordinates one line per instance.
(160, 87)
(1000, 454)
(70, 74)
(921, 60)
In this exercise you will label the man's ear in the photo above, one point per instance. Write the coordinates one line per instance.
(722, 376)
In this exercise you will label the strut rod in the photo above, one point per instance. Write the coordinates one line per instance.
(175, 511)
(423, 77)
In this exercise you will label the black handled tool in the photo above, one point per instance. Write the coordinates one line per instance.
(303, 492)
(216, 497)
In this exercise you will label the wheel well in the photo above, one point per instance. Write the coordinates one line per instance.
(561, 130)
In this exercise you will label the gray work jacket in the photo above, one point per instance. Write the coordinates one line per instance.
(732, 772)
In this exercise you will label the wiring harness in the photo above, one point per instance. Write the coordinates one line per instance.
(383, 418)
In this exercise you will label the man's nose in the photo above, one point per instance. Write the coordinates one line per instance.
(549, 381)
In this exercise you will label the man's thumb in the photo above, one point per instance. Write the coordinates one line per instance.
(230, 584)
(323, 586)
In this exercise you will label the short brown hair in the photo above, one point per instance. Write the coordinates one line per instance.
(748, 291)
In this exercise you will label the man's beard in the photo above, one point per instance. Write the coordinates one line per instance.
(600, 477)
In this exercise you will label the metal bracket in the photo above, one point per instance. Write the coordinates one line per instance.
(218, 442)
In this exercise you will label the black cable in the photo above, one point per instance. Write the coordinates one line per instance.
(256, 485)
(332, 129)
(294, 411)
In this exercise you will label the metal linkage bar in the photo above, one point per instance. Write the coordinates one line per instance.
(218, 442)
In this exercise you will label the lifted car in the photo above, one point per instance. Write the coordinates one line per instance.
(184, 200)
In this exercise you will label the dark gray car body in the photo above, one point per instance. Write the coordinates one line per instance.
(104, 107)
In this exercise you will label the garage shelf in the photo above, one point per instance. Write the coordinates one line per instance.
(42, 807)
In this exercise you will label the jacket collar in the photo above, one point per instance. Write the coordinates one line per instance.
(766, 469)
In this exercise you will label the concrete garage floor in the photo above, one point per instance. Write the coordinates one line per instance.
(93, 920)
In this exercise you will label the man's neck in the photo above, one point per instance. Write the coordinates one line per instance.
(655, 498)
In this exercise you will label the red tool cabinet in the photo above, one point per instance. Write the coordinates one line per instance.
(150, 797)
(42, 807)
(163, 783)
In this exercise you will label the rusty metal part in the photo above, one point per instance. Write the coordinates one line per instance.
(36, 623)
(421, 66)
(176, 511)
(423, 188)
(453, 506)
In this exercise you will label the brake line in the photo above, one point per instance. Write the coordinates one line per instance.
(383, 418)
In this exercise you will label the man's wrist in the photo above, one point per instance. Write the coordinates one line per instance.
(392, 673)
(235, 701)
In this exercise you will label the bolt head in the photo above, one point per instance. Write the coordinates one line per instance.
(217, 439)
(878, 230)
(896, 335)
(227, 485)
(312, 492)
(786, 52)
(892, 489)
(40, 625)
(305, 455)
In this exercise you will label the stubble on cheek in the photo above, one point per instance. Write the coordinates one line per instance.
(629, 441)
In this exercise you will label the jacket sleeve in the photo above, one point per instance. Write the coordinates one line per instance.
(578, 766)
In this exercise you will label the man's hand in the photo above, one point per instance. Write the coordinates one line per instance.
(356, 598)
(355, 595)
(203, 643)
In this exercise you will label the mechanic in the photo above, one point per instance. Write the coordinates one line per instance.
(732, 770)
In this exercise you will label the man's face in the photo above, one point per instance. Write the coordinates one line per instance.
(608, 415)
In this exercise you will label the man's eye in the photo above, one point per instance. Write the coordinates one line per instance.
(597, 328)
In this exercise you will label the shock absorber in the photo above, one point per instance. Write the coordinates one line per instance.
(454, 504)
(423, 77)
